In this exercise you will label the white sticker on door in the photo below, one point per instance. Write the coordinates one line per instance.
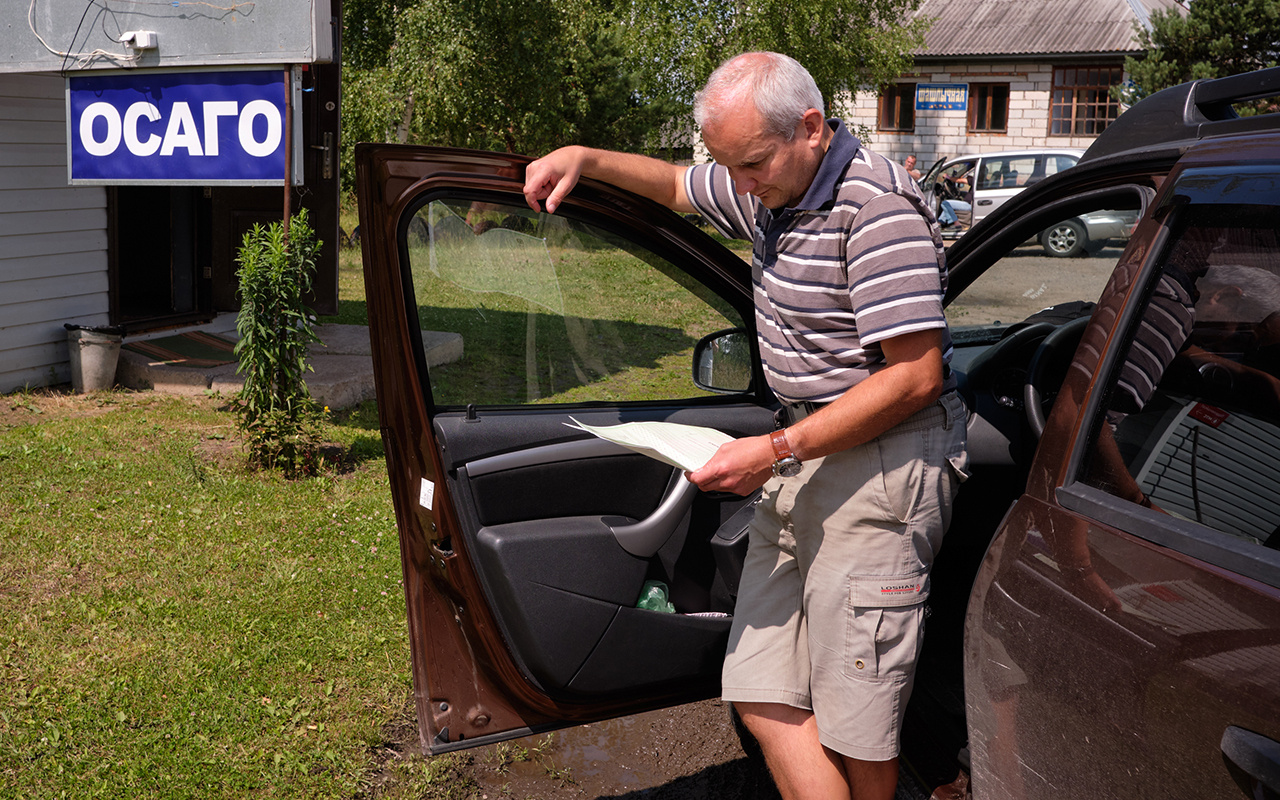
(426, 494)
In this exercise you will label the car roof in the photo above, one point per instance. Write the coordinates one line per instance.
(1180, 116)
(1053, 151)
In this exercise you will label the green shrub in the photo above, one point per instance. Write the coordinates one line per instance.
(277, 415)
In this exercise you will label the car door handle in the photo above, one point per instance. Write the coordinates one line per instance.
(985, 202)
(644, 538)
(1255, 755)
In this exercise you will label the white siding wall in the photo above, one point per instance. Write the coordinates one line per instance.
(53, 237)
(944, 134)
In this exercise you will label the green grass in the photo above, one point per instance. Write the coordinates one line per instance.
(173, 626)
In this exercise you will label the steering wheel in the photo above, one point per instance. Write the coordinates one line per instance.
(947, 188)
(1048, 369)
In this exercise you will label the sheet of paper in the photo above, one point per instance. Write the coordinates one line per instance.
(686, 447)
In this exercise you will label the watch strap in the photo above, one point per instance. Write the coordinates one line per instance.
(781, 450)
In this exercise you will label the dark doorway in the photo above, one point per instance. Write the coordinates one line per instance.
(158, 242)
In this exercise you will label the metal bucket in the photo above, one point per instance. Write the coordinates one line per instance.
(94, 355)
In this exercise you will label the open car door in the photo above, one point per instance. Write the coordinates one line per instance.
(526, 543)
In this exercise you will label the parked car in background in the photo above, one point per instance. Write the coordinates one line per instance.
(987, 180)
(974, 186)
(1104, 617)
(1087, 233)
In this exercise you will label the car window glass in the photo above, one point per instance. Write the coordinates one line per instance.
(1068, 262)
(1191, 423)
(547, 309)
(1057, 163)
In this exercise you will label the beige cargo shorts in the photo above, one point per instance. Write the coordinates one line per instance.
(830, 609)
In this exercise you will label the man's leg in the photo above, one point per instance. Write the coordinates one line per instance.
(801, 767)
(871, 780)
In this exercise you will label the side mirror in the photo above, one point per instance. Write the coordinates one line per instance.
(722, 362)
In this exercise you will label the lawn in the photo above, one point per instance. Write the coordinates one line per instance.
(174, 626)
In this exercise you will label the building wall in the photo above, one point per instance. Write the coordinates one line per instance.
(53, 237)
(944, 134)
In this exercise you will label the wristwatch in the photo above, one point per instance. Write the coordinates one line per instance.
(785, 463)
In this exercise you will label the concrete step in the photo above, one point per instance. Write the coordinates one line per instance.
(342, 364)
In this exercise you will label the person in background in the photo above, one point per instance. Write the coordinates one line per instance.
(910, 165)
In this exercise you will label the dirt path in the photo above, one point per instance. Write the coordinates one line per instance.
(686, 753)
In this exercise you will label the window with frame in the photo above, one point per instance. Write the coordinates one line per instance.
(551, 309)
(988, 107)
(898, 107)
(1191, 422)
(1082, 102)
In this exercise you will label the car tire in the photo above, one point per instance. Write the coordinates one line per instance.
(1064, 240)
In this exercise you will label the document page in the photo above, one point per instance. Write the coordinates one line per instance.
(687, 447)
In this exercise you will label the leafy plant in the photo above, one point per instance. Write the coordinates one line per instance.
(277, 415)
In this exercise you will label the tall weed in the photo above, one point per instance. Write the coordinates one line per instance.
(276, 413)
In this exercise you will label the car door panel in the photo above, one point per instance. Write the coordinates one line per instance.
(1155, 644)
(565, 535)
(526, 543)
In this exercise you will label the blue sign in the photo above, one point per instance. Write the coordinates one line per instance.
(942, 96)
(195, 128)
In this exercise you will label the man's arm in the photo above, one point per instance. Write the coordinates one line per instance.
(910, 382)
(552, 177)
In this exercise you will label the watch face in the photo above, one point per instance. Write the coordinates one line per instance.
(787, 467)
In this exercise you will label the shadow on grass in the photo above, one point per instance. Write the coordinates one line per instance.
(510, 354)
(350, 312)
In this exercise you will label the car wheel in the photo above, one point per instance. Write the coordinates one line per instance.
(1064, 240)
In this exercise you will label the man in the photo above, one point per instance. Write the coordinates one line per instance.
(848, 273)
(910, 165)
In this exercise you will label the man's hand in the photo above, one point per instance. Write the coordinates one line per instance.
(552, 177)
(740, 466)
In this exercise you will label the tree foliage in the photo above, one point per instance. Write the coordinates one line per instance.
(521, 76)
(1214, 38)
(845, 44)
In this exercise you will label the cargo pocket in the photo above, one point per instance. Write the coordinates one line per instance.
(886, 614)
(861, 659)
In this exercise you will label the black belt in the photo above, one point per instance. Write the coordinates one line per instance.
(794, 412)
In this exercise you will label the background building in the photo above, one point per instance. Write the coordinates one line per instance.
(1007, 75)
(157, 254)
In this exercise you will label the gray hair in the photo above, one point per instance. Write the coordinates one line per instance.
(780, 87)
(1258, 292)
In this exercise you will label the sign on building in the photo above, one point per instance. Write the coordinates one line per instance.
(942, 96)
(180, 128)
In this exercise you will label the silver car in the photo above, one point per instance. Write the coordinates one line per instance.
(1087, 233)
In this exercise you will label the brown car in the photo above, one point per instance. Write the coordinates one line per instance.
(1105, 612)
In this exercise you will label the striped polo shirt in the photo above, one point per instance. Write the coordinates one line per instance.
(858, 260)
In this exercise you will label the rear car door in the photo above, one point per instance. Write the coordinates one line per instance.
(1003, 175)
(1123, 636)
(528, 544)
